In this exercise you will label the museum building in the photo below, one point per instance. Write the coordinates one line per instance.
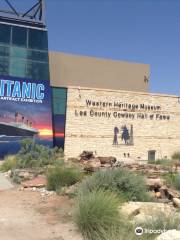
(78, 102)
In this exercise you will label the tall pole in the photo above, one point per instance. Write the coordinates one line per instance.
(43, 11)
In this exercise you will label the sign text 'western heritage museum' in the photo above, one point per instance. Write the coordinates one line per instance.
(121, 124)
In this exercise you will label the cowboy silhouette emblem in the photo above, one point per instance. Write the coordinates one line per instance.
(126, 135)
(116, 131)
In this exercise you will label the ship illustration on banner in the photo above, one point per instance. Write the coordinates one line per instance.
(19, 127)
(123, 135)
(25, 112)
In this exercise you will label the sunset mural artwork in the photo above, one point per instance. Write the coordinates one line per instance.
(59, 130)
(25, 112)
(59, 96)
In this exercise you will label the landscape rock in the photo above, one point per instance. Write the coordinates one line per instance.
(21, 188)
(150, 208)
(145, 209)
(92, 165)
(158, 194)
(37, 182)
(157, 182)
(141, 218)
(71, 189)
(107, 160)
(21, 175)
(163, 190)
(169, 235)
(44, 192)
(119, 163)
(86, 155)
(130, 210)
(8, 174)
(173, 193)
(148, 168)
(176, 202)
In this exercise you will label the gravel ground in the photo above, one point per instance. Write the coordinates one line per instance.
(25, 215)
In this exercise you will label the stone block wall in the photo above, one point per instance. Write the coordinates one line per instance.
(122, 124)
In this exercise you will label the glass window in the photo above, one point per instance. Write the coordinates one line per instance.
(38, 39)
(59, 100)
(18, 52)
(38, 71)
(5, 33)
(19, 36)
(59, 107)
(4, 66)
(4, 51)
(17, 68)
(59, 93)
(38, 55)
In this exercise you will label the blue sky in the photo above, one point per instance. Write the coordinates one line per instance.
(144, 31)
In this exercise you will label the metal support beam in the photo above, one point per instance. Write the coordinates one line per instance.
(12, 8)
(35, 14)
(30, 10)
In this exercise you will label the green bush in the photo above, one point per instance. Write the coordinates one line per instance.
(162, 221)
(164, 162)
(10, 163)
(173, 179)
(177, 181)
(35, 155)
(127, 185)
(58, 177)
(97, 215)
(176, 156)
(169, 178)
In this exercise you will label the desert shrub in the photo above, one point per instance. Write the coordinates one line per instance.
(32, 154)
(127, 185)
(176, 182)
(169, 178)
(58, 177)
(10, 163)
(164, 162)
(97, 215)
(176, 156)
(162, 221)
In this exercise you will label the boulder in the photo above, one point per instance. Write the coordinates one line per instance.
(37, 182)
(119, 163)
(173, 193)
(141, 218)
(146, 208)
(158, 194)
(8, 174)
(176, 202)
(163, 190)
(71, 189)
(130, 210)
(169, 235)
(150, 208)
(92, 165)
(23, 174)
(86, 155)
(154, 182)
(107, 160)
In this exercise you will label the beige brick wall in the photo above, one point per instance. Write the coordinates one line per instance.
(85, 131)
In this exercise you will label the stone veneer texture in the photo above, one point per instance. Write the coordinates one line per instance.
(97, 118)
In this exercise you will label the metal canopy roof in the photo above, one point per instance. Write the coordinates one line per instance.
(33, 17)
